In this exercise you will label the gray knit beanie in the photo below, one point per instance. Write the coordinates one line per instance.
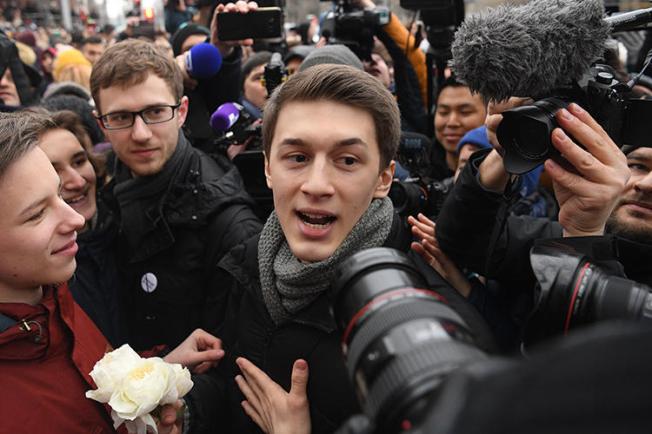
(331, 54)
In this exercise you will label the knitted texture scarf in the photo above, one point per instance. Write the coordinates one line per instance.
(289, 285)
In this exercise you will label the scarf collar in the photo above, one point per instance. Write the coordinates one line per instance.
(289, 285)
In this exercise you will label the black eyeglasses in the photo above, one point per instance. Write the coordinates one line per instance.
(151, 115)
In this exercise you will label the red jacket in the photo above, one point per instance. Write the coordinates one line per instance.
(44, 370)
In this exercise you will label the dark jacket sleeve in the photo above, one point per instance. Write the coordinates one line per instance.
(408, 93)
(474, 230)
(225, 86)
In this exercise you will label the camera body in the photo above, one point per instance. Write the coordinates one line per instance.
(354, 28)
(418, 195)
(525, 132)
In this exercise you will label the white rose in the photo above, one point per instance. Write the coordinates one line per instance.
(134, 387)
(142, 389)
(180, 386)
(111, 369)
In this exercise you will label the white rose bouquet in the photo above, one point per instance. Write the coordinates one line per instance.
(134, 387)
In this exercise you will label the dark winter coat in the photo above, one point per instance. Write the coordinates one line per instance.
(170, 278)
(95, 286)
(312, 335)
(473, 231)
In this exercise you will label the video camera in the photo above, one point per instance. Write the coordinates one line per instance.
(402, 341)
(441, 18)
(353, 27)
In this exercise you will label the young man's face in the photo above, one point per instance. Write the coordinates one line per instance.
(632, 217)
(458, 112)
(37, 228)
(70, 160)
(144, 148)
(92, 52)
(465, 153)
(253, 88)
(379, 69)
(323, 169)
(8, 91)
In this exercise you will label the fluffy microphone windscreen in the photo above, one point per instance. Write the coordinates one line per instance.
(529, 50)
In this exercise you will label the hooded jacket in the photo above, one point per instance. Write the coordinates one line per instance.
(45, 359)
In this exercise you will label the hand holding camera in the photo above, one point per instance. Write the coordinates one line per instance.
(588, 191)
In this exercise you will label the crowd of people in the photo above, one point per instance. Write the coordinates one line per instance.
(122, 220)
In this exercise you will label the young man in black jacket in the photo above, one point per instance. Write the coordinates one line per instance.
(178, 211)
(330, 134)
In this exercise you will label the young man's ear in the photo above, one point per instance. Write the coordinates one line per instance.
(385, 179)
(268, 176)
(183, 110)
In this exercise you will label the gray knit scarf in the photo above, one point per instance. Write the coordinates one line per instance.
(289, 285)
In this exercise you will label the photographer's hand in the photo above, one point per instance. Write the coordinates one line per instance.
(424, 229)
(240, 7)
(273, 409)
(493, 175)
(586, 198)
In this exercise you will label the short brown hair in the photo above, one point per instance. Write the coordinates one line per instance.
(19, 133)
(129, 62)
(345, 85)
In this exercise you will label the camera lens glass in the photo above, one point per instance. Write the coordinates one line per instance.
(400, 339)
(524, 134)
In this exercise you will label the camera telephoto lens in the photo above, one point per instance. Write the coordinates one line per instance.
(399, 338)
(524, 134)
(572, 292)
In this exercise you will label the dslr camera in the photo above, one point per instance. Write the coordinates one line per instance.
(525, 131)
(403, 343)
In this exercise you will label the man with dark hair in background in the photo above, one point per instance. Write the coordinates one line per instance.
(92, 48)
(457, 112)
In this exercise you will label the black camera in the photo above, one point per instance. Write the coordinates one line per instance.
(572, 291)
(354, 28)
(525, 131)
(400, 339)
(420, 192)
(415, 195)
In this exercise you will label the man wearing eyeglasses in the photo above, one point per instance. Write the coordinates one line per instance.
(178, 211)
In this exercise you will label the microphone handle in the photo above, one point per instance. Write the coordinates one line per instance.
(629, 20)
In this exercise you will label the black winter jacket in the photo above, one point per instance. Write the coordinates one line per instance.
(95, 286)
(250, 332)
(171, 282)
